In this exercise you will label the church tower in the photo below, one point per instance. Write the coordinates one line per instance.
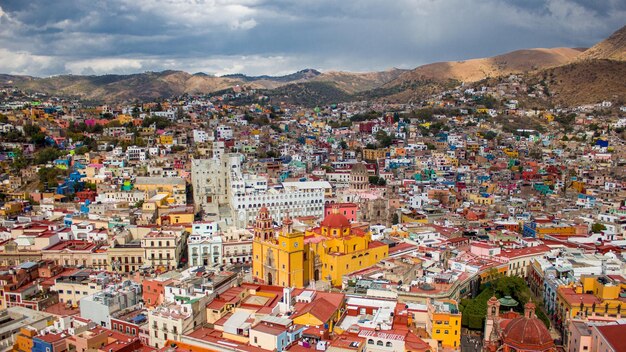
(490, 333)
(263, 229)
(359, 177)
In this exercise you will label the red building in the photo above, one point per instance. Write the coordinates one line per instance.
(133, 323)
(349, 210)
(90, 195)
(154, 291)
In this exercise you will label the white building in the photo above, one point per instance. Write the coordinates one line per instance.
(225, 132)
(293, 198)
(171, 320)
(200, 136)
(210, 179)
(136, 153)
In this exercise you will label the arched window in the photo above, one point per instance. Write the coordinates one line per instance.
(370, 342)
(379, 342)
(388, 344)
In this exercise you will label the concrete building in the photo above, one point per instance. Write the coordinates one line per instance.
(210, 180)
(100, 306)
(14, 318)
(295, 199)
(164, 248)
(171, 320)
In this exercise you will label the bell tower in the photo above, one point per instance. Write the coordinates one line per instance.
(263, 229)
(490, 333)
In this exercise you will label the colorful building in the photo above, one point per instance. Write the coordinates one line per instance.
(444, 323)
(328, 252)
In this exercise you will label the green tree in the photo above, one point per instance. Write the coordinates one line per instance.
(19, 161)
(384, 139)
(47, 154)
(597, 227)
(49, 177)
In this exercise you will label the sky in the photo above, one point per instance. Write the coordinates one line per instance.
(275, 37)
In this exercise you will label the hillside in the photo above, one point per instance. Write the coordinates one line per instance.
(359, 82)
(151, 85)
(612, 48)
(309, 94)
(585, 82)
(147, 85)
(519, 61)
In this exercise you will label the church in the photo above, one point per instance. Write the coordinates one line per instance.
(291, 258)
(511, 331)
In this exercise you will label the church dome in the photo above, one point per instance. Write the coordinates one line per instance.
(527, 332)
(335, 220)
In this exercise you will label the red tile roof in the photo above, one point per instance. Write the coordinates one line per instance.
(614, 335)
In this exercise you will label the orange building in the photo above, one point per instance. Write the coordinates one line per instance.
(154, 291)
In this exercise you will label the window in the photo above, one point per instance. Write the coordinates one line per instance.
(438, 331)
(445, 332)
(255, 339)
(388, 344)
(379, 343)
(370, 342)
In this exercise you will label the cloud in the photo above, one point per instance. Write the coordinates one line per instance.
(42, 37)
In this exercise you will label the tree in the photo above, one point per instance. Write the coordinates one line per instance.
(597, 227)
(19, 161)
(81, 150)
(47, 154)
(49, 177)
(383, 139)
(489, 135)
(343, 145)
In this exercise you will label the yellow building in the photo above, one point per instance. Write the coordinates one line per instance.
(327, 252)
(166, 139)
(511, 153)
(595, 297)
(444, 323)
(341, 248)
(279, 258)
(24, 339)
(374, 154)
(175, 187)
(549, 229)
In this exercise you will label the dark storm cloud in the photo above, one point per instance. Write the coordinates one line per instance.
(45, 37)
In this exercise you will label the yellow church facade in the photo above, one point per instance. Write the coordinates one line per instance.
(278, 257)
(292, 259)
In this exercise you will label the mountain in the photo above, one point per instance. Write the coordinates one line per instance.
(515, 62)
(148, 85)
(151, 85)
(612, 48)
(305, 74)
(585, 82)
(359, 82)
